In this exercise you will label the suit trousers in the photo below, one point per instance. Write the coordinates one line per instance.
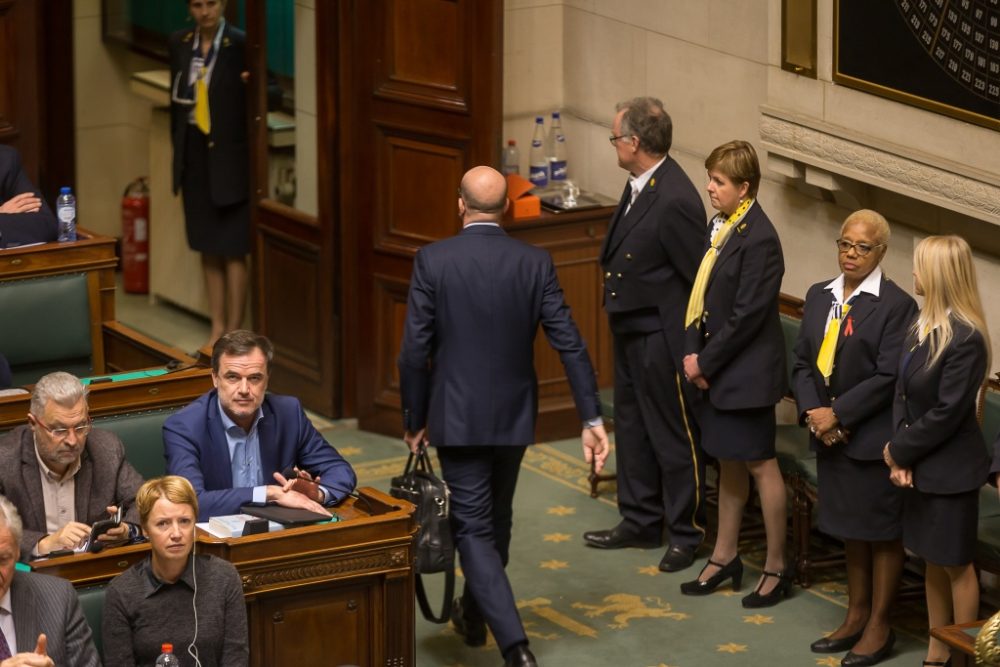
(660, 465)
(482, 482)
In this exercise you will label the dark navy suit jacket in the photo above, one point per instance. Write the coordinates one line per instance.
(195, 446)
(21, 228)
(228, 142)
(650, 255)
(861, 385)
(467, 359)
(934, 411)
(740, 346)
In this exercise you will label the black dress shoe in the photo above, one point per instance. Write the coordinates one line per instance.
(829, 645)
(677, 558)
(733, 568)
(853, 659)
(472, 630)
(756, 600)
(520, 656)
(616, 538)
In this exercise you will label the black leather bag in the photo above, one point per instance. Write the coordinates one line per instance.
(434, 546)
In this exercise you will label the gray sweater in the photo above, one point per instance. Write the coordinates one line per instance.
(141, 613)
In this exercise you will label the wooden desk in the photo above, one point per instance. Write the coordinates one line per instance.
(962, 643)
(339, 593)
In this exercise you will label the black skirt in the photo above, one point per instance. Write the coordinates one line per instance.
(856, 499)
(736, 435)
(939, 528)
(211, 229)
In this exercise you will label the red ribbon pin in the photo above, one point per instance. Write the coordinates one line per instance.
(849, 326)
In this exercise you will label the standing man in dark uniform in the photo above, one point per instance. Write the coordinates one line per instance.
(650, 258)
(468, 385)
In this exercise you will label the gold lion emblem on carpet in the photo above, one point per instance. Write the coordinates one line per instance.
(627, 607)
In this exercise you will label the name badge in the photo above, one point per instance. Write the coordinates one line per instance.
(194, 73)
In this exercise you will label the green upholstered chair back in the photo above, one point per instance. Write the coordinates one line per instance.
(46, 326)
(142, 434)
(790, 330)
(92, 602)
(991, 418)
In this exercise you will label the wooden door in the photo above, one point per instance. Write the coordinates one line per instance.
(422, 105)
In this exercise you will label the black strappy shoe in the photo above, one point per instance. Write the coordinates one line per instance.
(733, 568)
(782, 590)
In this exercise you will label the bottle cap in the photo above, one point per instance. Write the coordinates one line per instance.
(167, 648)
(511, 142)
(539, 119)
(555, 114)
(65, 190)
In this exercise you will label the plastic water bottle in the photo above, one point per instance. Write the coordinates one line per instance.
(167, 658)
(66, 213)
(538, 165)
(511, 163)
(557, 151)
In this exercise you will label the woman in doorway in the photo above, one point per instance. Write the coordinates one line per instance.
(736, 357)
(208, 112)
(937, 453)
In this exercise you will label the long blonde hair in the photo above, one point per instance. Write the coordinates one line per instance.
(944, 268)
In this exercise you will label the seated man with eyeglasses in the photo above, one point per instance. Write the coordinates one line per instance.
(63, 475)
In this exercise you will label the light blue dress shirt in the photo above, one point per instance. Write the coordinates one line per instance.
(244, 455)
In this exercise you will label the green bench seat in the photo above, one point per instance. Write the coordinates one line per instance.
(142, 434)
(92, 603)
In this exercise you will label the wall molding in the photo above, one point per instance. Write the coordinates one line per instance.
(805, 145)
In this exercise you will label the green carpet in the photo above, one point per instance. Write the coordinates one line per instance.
(583, 606)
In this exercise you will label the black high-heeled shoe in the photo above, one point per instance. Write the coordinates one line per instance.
(937, 663)
(853, 659)
(733, 568)
(756, 600)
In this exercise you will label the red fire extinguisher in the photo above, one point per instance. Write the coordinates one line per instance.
(135, 237)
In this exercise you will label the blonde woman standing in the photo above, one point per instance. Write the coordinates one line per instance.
(937, 452)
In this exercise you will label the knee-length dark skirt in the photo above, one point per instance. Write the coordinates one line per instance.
(856, 499)
(737, 435)
(940, 528)
(211, 229)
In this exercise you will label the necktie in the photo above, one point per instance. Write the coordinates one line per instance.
(4, 647)
(202, 119)
(828, 349)
(696, 303)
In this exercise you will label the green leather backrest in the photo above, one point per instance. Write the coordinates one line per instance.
(92, 602)
(46, 326)
(991, 418)
(142, 434)
(790, 329)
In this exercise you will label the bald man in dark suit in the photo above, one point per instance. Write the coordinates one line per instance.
(468, 386)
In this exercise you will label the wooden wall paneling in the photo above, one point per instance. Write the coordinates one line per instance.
(424, 106)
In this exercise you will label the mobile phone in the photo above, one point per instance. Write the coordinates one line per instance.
(101, 527)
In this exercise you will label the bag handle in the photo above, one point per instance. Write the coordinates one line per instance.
(449, 593)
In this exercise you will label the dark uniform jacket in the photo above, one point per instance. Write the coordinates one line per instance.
(864, 373)
(936, 432)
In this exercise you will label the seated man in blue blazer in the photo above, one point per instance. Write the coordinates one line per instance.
(234, 440)
(24, 215)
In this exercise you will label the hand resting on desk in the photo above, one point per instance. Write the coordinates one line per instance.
(288, 495)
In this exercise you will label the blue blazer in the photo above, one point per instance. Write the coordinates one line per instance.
(467, 362)
(740, 346)
(228, 142)
(934, 412)
(861, 385)
(195, 447)
(21, 228)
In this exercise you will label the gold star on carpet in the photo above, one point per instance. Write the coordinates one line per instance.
(833, 587)
(758, 619)
(828, 661)
(561, 510)
(350, 451)
(731, 648)
(557, 537)
(649, 570)
(553, 565)
(662, 664)
(729, 593)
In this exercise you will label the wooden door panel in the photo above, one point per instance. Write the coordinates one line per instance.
(419, 120)
(8, 71)
(410, 168)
